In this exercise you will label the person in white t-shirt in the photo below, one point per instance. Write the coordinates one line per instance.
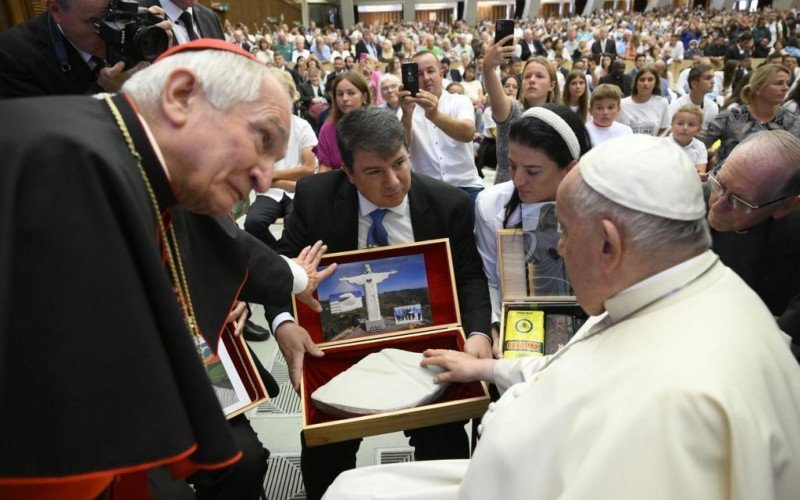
(298, 162)
(604, 107)
(685, 126)
(701, 84)
(645, 111)
(440, 127)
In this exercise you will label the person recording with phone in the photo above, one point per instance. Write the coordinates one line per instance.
(61, 51)
(439, 130)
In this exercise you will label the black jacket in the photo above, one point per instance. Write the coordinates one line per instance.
(30, 67)
(438, 210)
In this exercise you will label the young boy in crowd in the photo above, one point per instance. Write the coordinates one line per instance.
(686, 124)
(604, 107)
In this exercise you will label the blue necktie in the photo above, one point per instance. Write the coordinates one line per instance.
(377, 236)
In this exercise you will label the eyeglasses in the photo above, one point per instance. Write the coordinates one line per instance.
(392, 86)
(736, 202)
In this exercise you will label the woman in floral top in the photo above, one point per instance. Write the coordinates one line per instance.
(762, 110)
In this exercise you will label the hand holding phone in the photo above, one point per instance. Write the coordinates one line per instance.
(410, 77)
(503, 28)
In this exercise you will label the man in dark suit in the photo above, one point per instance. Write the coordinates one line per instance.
(58, 52)
(530, 45)
(338, 69)
(310, 89)
(376, 200)
(368, 45)
(190, 19)
(604, 45)
(741, 49)
(754, 221)
(450, 74)
(618, 77)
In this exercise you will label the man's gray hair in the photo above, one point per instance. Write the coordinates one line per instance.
(226, 78)
(371, 129)
(779, 146)
(659, 237)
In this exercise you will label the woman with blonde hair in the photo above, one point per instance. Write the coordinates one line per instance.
(350, 91)
(539, 85)
(762, 109)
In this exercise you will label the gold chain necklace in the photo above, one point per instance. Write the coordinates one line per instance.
(169, 238)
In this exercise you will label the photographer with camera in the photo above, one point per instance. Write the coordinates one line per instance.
(75, 47)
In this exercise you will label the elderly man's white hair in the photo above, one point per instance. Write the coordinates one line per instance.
(226, 78)
(781, 151)
(389, 77)
(650, 234)
(652, 193)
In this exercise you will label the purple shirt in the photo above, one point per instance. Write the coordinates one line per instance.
(327, 149)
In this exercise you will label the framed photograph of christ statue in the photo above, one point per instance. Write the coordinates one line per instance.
(383, 292)
(375, 296)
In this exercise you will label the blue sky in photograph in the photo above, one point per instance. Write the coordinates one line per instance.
(410, 274)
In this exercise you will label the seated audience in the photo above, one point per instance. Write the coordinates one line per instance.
(762, 98)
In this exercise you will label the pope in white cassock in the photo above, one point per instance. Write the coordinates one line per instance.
(680, 386)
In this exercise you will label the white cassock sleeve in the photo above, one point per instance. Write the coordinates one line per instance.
(429, 480)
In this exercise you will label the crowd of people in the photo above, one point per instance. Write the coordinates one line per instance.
(662, 148)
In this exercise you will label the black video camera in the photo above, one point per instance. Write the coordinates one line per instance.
(130, 35)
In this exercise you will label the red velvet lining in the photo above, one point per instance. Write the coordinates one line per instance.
(318, 371)
(437, 269)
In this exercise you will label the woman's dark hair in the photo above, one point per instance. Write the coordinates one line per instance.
(472, 67)
(653, 71)
(736, 95)
(794, 95)
(534, 133)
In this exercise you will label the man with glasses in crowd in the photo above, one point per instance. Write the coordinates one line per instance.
(755, 225)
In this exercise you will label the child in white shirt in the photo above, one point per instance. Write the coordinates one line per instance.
(686, 124)
(604, 107)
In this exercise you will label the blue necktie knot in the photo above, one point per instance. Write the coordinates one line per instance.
(377, 236)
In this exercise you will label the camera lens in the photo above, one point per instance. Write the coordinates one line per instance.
(151, 42)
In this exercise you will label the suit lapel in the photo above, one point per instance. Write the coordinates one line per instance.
(345, 217)
(421, 223)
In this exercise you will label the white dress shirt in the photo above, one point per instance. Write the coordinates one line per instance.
(178, 28)
(436, 154)
(397, 221)
(301, 136)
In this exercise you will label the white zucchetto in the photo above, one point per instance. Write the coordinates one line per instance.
(647, 174)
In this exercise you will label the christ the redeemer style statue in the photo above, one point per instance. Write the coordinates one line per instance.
(369, 281)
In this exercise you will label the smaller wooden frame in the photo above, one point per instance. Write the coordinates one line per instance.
(239, 365)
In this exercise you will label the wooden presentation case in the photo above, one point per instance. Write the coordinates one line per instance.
(459, 401)
(513, 283)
